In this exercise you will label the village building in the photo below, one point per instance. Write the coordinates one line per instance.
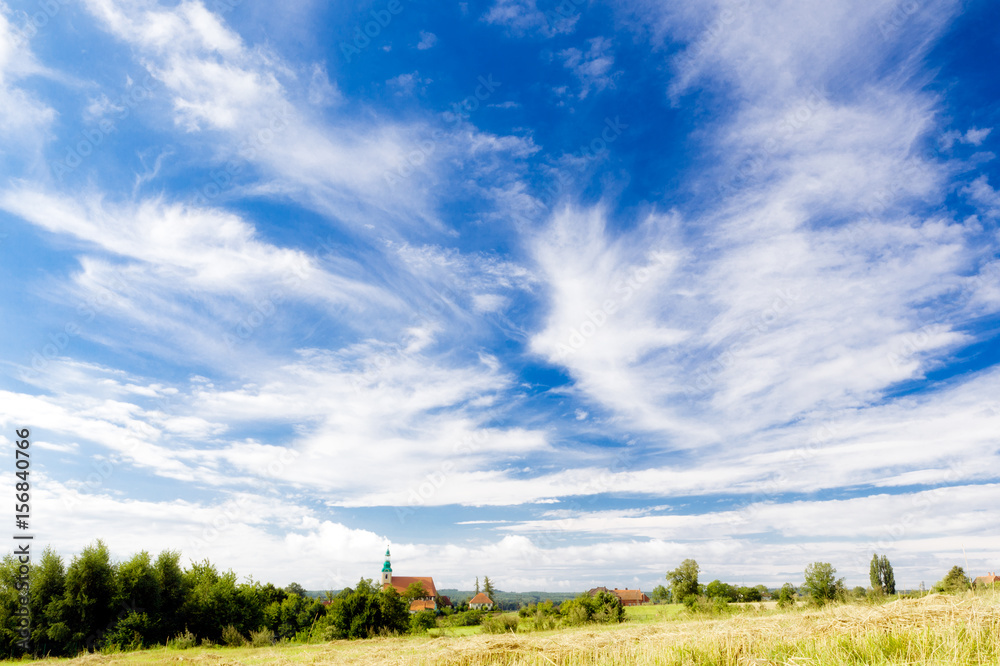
(631, 597)
(627, 597)
(988, 579)
(481, 602)
(401, 583)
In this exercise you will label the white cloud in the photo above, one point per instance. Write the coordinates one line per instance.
(24, 119)
(593, 67)
(427, 40)
(523, 17)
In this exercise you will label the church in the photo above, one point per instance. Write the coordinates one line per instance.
(400, 583)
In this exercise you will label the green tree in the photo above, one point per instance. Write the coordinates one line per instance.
(820, 583)
(174, 589)
(881, 576)
(488, 588)
(477, 584)
(719, 590)
(48, 587)
(12, 622)
(136, 584)
(415, 590)
(954, 581)
(748, 594)
(295, 588)
(786, 596)
(367, 611)
(888, 577)
(602, 607)
(90, 589)
(660, 595)
(684, 580)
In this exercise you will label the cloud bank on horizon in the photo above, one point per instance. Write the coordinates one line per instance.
(558, 293)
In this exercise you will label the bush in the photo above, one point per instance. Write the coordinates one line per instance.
(232, 637)
(422, 621)
(130, 633)
(469, 618)
(703, 606)
(500, 624)
(183, 641)
(262, 638)
(602, 607)
(786, 596)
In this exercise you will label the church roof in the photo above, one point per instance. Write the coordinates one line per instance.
(400, 583)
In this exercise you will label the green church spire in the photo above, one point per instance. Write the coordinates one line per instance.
(386, 566)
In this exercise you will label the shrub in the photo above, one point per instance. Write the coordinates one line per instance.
(183, 641)
(422, 621)
(262, 637)
(786, 596)
(602, 607)
(469, 618)
(130, 633)
(232, 637)
(500, 624)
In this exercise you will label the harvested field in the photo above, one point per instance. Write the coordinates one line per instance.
(933, 630)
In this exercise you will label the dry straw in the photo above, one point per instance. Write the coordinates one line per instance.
(937, 629)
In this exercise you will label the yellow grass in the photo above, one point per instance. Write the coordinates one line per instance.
(934, 630)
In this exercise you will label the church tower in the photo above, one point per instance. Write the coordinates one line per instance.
(386, 570)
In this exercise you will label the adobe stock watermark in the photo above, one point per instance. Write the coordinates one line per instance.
(370, 30)
(89, 139)
(920, 505)
(885, 197)
(728, 18)
(755, 326)
(265, 308)
(596, 148)
(57, 343)
(755, 161)
(921, 340)
(595, 319)
(422, 492)
(48, 9)
(234, 509)
(221, 180)
(459, 111)
(898, 17)
(137, 432)
(777, 483)
(617, 477)
(382, 361)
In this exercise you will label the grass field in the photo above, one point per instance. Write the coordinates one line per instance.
(937, 629)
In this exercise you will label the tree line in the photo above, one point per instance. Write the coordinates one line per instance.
(96, 604)
(820, 585)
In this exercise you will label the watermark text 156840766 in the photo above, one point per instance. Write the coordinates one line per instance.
(22, 513)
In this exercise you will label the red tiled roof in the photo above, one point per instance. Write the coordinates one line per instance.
(480, 598)
(988, 579)
(445, 601)
(631, 595)
(400, 583)
(421, 604)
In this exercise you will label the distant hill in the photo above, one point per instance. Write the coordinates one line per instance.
(510, 600)
(507, 600)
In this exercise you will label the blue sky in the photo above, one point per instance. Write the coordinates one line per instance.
(561, 294)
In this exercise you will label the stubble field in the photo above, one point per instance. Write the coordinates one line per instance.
(933, 630)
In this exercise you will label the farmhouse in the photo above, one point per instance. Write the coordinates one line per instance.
(627, 597)
(400, 583)
(481, 602)
(988, 579)
(630, 597)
